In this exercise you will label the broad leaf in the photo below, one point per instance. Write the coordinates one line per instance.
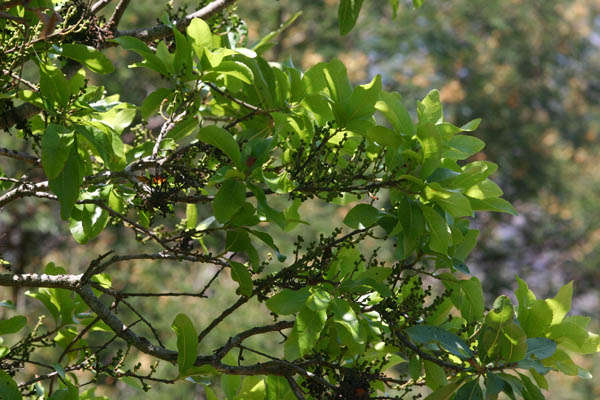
(187, 343)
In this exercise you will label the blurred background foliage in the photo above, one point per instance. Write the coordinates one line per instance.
(529, 68)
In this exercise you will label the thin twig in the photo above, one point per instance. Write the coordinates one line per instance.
(99, 5)
(161, 31)
(115, 18)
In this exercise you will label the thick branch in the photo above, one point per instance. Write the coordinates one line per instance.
(161, 31)
(40, 280)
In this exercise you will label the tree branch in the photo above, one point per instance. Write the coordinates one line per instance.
(17, 155)
(161, 31)
(99, 5)
(115, 18)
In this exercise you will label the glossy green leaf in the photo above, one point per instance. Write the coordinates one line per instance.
(288, 301)
(241, 274)
(363, 99)
(484, 190)
(309, 325)
(431, 144)
(493, 204)
(136, 45)
(392, 107)
(536, 319)
(54, 87)
(429, 109)
(362, 216)
(467, 296)
(439, 235)
(199, 33)
(463, 147)
(87, 221)
(470, 391)
(424, 334)
(12, 325)
(435, 376)
(66, 184)
(348, 12)
(229, 199)
(8, 387)
(221, 139)
(187, 343)
(57, 143)
(451, 201)
(277, 387)
(88, 56)
(561, 303)
(540, 348)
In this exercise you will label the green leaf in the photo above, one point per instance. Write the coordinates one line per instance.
(493, 204)
(8, 388)
(187, 343)
(266, 42)
(536, 319)
(431, 145)
(12, 325)
(445, 392)
(87, 221)
(288, 301)
(471, 125)
(183, 53)
(439, 235)
(199, 33)
(57, 143)
(152, 102)
(463, 147)
(88, 56)
(435, 376)
(429, 109)
(363, 99)
(453, 202)
(424, 334)
(507, 342)
(417, 4)
(54, 87)
(470, 391)
(309, 325)
(229, 199)
(412, 222)
(241, 274)
(362, 216)
(221, 139)
(118, 117)
(484, 190)
(530, 390)
(231, 385)
(66, 184)
(540, 348)
(277, 388)
(136, 45)
(392, 107)
(384, 136)
(467, 296)
(501, 313)
(318, 300)
(348, 14)
(561, 303)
